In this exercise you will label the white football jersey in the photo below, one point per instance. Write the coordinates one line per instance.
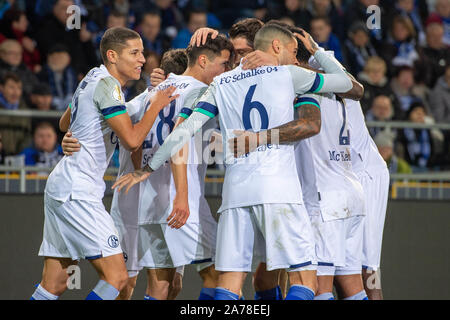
(98, 97)
(158, 191)
(124, 207)
(330, 184)
(256, 100)
(365, 155)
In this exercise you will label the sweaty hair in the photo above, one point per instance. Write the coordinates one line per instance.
(246, 29)
(174, 61)
(303, 54)
(268, 33)
(115, 39)
(212, 48)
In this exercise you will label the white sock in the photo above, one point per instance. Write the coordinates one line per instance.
(42, 294)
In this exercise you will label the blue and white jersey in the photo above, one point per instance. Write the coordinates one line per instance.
(365, 155)
(98, 97)
(325, 166)
(158, 191)
(257, 100)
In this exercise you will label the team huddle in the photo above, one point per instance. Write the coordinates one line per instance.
(305, 189)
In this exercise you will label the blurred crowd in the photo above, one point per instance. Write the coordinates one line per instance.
(404, 65)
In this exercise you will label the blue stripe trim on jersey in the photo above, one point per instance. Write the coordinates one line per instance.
(304, 264)
(147, 144)
(208, 107)
(94, 257)
(306, 100)
(318, 83)
(325, 264)
(111, 110)
(186, 111)
(201, 261)
(365, 267)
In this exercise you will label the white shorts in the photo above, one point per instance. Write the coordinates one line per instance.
(279, 234)
(124, 212)
(78, 229)
(163, 247)
(376, 191)
(338, 245)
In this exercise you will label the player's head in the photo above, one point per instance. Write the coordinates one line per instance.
(174, 61)
(213, 58)
(242, 35)
(278, 41)
(303, 54)
(122, 50)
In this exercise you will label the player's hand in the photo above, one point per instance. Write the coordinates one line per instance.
(200, 36)
(180, 212)
(130, 179)
(308, 42)
(157, 76)
(257, 59)
(70, 144)
(163, 97)
(243, 143)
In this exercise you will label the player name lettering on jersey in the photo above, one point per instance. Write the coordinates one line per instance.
(164, 86)
(247, 74)
(339, 155)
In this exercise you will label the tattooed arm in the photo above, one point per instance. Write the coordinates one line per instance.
(307, 125)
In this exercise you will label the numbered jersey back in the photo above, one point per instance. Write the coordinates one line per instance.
(338, 190)
(156, 191)
(257, 100)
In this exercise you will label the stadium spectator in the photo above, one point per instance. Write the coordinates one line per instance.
(400, 47)
(440, 108)
(415, 10)
(61, 77)
(79, 42)
(332, 10)
(15, 131)
(436, 53)
(385, 143)
(196, 19)
(375, 83)
(358, 47)
(171, 17)
(295, 10)
(322, 33)
(417, 145)
(14, 25)
(230, 11)
(11, 61)
(45, 151)
(381, 110)
(442, 8)
(115, 19)
(357, 11)
(150, 30)
(41, 97)
(407, 91)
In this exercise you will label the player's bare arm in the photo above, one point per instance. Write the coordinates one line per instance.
(136, 158)
(257, 59)
(64, 121)
(180, 212)
(131, 135)
(356, 92)
(307, 125)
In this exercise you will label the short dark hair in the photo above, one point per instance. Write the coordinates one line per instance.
(247, 29)
(212, 48)
(267, 33)
(115, 39)
(323, 18)
(10, 76)
(44, 125)
(303, 54)
(174, 61)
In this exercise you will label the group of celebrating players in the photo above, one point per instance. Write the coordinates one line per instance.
(305, 189)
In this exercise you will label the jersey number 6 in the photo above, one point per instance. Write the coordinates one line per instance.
(249, 105)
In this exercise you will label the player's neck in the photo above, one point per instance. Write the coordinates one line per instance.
(116, 74)
(196, 73)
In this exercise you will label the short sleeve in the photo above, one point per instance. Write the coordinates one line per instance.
(108, 98)
(190, 101)
(305, 80)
